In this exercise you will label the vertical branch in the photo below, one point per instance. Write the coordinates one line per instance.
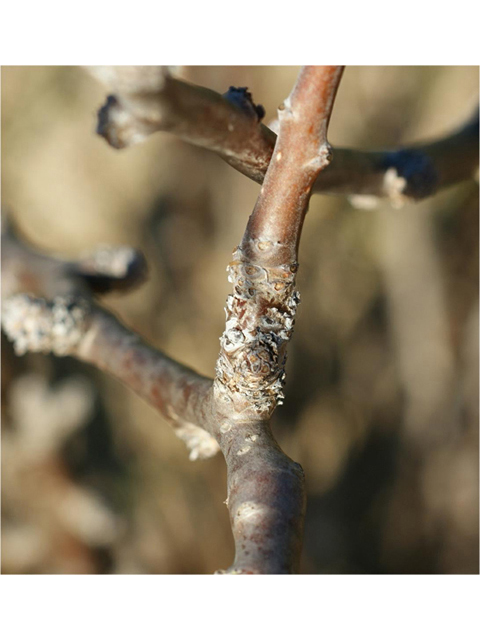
(261, 311)
(266, 495)
(301, 152)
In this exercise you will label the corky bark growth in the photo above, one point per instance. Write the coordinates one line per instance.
(232, 411)
(266, 494)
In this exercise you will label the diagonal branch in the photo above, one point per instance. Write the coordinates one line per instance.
(72, 324)
(231, 128)
(141, 106)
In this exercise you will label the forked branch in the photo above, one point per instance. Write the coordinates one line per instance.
(266, 496)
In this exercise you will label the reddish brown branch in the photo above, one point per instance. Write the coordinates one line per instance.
(266, 492)
(266, 500)
(266, 496)
(300, 154)
(206, 119)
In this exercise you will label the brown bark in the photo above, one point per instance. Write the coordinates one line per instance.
(266, 496)
(146, 101)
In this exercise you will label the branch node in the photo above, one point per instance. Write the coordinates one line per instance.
(322, 159)
(415, 169)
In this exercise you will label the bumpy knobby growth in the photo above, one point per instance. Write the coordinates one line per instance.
(260, 317)
(266, 491)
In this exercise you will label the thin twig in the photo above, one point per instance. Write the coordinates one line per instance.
(72, 324)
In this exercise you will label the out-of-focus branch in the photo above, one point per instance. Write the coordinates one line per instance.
(408, 173)
(105, 269)
(148, 99)
(266, 496)
(72, 324)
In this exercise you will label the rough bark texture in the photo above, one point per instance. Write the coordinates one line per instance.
(231, 413)
(266, 496)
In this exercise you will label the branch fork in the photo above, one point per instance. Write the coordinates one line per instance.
(266, 494)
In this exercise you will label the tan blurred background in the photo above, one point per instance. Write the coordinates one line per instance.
(381, 402)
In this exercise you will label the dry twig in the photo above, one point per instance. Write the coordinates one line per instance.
(73, 324)
(266, 496)
(148, 99)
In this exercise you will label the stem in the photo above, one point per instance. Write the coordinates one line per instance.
(266, 493)
(206, 119)
(266, 496)
(301, 152)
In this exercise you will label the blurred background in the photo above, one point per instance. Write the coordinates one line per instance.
(381, 401)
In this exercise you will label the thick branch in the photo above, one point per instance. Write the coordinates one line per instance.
(231, 128)
(266, 500)
(261, 311)
(266, 496)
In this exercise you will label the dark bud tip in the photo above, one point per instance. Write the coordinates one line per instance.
(418, 170)
(242, 98)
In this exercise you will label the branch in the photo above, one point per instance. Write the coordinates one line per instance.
(408, 173)
(261, 311)
(266, 500)
(105, 269)
(72, 324)
(230, 126)
(266, 496)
